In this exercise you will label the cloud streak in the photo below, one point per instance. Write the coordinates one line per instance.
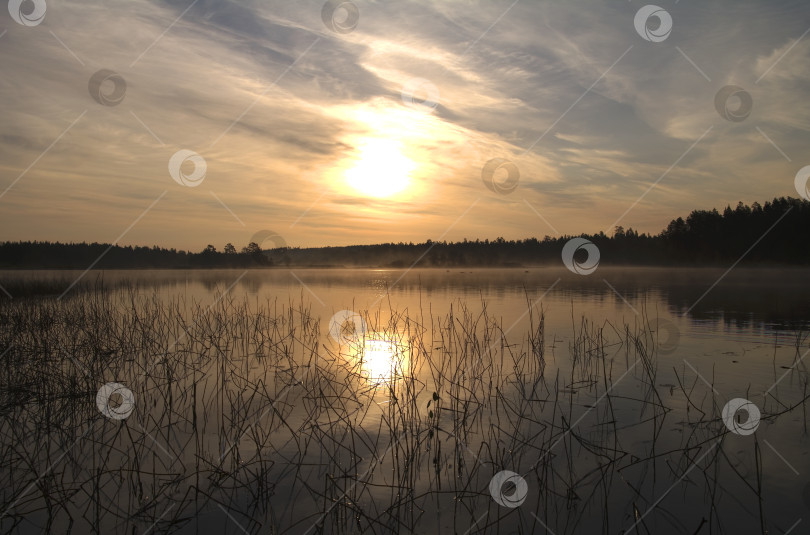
(307, 99)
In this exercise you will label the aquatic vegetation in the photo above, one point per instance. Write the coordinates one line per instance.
(126, 411)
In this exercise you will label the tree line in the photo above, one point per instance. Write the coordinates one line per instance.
(775, 233)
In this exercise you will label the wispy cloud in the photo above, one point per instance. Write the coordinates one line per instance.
(306, 97)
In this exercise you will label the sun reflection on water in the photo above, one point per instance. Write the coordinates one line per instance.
(382, 360)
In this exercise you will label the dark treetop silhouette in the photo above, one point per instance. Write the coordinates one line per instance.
(705, 237)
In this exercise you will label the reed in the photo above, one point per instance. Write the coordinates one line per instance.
(248, 417)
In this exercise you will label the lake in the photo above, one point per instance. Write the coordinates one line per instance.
(516, 400)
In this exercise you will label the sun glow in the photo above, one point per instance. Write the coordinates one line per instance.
(382, 360)
(381, 169)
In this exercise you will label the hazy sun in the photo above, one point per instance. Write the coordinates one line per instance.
(381, 169)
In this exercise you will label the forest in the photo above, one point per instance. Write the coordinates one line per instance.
(775, 233)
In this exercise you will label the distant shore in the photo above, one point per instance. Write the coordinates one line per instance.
(774, 235)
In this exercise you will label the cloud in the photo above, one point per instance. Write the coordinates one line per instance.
(279, 105)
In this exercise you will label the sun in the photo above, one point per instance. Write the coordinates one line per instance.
(381, 169)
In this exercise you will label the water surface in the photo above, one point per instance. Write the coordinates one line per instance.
(605, 439)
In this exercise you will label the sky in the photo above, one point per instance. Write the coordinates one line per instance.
(183, 123)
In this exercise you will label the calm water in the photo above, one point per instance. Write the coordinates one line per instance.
(769, 299)
(719, 337)
(729, 323)
(716, 313)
